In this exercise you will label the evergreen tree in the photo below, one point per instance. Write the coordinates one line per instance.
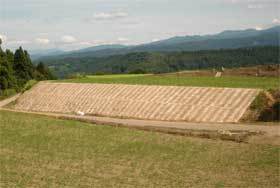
(10, 56)
(43, 72)
(7, 79)
(7, 75)
(23, 67)
(16, 69)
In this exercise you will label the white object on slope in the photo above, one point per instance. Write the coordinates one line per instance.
(80, 113)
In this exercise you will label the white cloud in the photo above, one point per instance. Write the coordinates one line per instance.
(42, 41)
(155, 40)
(43, 34)
(68, 39)
(276, 21)
(19, 42)
(122, 39)
(236, 1)
(85, 43)
(109, 15)
(258, 28)
(3, 38)
(255, 6)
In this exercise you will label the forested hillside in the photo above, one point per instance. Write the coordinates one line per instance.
(161, 62)
(224, 40)
(16, 69)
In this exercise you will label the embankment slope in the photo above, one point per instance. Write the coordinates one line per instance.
(166, 103)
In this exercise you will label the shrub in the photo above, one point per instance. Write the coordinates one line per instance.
(260, 102)
(138, 71)
(29, 85)
(76, 76)
(100, 73)
(7, 92)
(265, 109)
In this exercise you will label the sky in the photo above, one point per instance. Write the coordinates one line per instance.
(75, 24)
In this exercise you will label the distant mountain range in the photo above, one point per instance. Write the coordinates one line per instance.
(35, 54)
(225, 40)
(101, 47)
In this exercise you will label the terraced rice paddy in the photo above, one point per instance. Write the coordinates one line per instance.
(168, 103)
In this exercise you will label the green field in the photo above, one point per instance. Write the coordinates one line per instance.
(37, 151)
(200, 81)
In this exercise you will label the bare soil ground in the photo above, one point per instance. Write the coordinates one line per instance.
(248, 133)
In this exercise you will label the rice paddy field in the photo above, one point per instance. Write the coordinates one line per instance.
(183, 80)
(37, 151)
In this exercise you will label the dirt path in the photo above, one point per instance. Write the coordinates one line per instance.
(259, 134)
(252, 133)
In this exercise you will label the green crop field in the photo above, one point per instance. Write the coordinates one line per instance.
(37, 151)
(200, 81)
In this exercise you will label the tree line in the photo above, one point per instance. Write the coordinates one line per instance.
(16, 69)
(163, 62)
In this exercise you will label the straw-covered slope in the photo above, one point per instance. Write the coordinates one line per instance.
(169, 103)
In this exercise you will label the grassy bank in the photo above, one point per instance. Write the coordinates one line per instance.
(45, 152)
(200, 81)
(10, 92)
(7, 93)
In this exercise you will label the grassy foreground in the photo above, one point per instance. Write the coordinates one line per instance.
(37, 151)
(200, 81)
